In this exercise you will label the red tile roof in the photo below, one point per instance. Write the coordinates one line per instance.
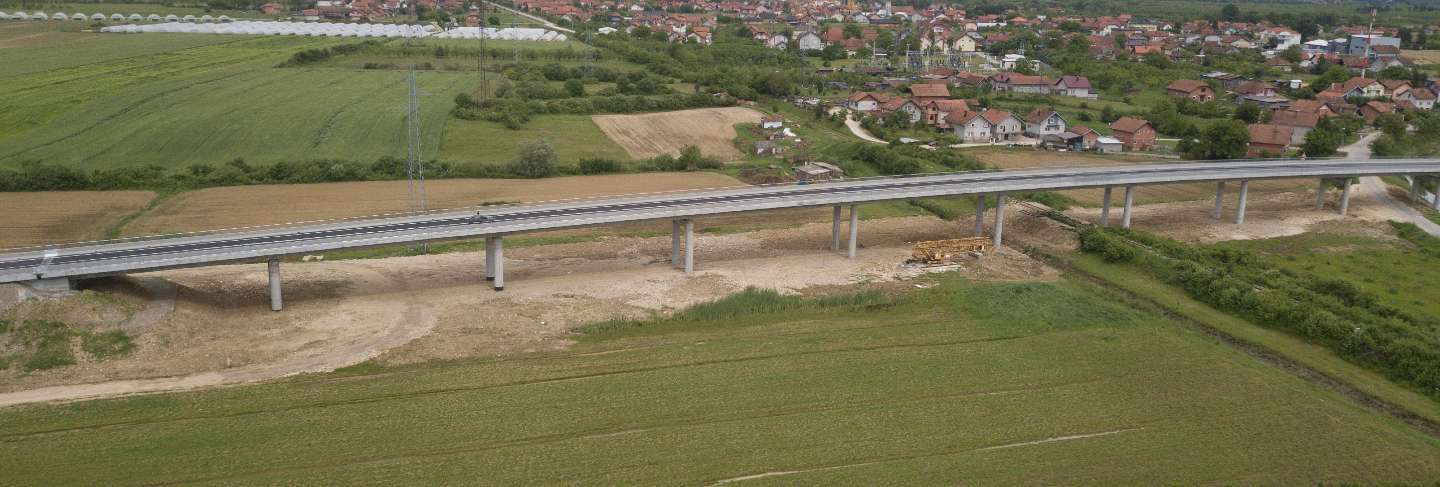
(1129, 124)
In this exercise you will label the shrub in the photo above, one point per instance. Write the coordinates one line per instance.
(536, 159)
(598, 165)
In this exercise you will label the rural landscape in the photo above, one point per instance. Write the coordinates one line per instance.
(754, 242)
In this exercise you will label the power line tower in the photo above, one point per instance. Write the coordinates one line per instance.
(414, 168)
(589, 54)
(517, 44)
(483, 91)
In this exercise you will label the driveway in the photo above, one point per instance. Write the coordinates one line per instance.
(1372, 187)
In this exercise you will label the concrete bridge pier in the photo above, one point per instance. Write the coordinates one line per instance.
(979, 215)
(835, 230)
(496, 257)
(1244, 197)
(1129, 204)
(1435, 203)
(999, 218)
(1219, 200)
(854, 229)
(1105, 208)
(1320, 195)
(274, 266)
(1345, 197)
(675, 242)
(54, 287)
(689, 246)
(1414, 187)
(489, 258)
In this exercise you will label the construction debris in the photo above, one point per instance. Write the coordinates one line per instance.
(941, 252)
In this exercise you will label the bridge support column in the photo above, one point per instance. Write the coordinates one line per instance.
(835, 229)
(55, 287)
(1320, 195)
(274, 267)
(1105, 207)
(1219, 200)
(1435, 203)
(999, 218)
(1129, 205)
(499, 261)
(1244, 195)
(674, 242)
(1414, 188)
(1345, 198)
(980, 215)
(489, 258)
(689, 246)
(854, 229)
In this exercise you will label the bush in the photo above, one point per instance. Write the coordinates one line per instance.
(599, 165)
(536, 159)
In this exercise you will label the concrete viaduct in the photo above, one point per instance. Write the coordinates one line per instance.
(55, 268)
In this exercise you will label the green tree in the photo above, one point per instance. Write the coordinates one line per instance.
(574, 87)
(1227, 139)
(1230, 13)
(536, 159)
(1323, 141)
(1248, 112)
(1291, 54)
(493, 20)
(1393, 124)
(853, 31)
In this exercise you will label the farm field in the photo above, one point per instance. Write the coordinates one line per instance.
(573, 137)
(204, 99)
(64, 216)
(240, 206)
(649, 135)
(1001, 383)
(1423, 57)
(1148, 194)
(108, 8)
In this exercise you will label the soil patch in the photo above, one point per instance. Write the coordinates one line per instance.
(64, 216)
(651, 134)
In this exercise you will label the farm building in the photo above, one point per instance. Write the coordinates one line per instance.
(772, 122)
(1064, 140)
(815, 172)
(1109, 145)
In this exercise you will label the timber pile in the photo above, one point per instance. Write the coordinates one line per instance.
(939, 252)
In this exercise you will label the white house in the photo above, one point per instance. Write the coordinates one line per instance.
(1043, 121)
(811, 41)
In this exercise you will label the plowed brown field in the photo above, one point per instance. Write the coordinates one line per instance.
(64, 216)
(651, 134)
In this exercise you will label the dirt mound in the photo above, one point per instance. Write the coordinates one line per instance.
(651, 134)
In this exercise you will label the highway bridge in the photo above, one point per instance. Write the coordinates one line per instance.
(55, 268)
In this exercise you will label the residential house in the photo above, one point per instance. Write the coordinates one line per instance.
(810, 41)
(1269, 140)
(1395, 87)
(966, 43)
(970, 126)
(767, 148)
(924, 93)
(1043, 121)
(1005, 126)
(1359, 87)
(1420, 98)
(777, 41)
(864, 101)
(1192, 89)
(938, 111)
(772, 122)
(906, 105)
(1020, 83)
(1255, 88)
(1374, 109)
(1299, 123)
(1135, 133)
(1074, 86)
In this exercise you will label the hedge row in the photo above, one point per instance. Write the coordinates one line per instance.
(1329, 311)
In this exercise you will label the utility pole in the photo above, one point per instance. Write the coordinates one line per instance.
(1369, 39)
(589, 53)
(415, 169)
(517, 44)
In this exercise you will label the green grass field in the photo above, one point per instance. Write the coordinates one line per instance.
(959, 383)
(187, 102)
(573, 136)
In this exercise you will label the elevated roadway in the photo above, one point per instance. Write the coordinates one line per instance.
(57, 266)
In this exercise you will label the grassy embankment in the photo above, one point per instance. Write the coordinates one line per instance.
(961, 382)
